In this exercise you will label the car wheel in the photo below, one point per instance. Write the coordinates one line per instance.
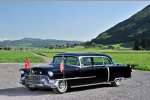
(31, 88)
(116, 82)
(62, 87)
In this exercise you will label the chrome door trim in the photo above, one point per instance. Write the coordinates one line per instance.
(76, 78)
(108, 74)
(89, 84)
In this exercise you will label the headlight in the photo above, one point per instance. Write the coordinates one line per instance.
(50, 74)
(22, 72)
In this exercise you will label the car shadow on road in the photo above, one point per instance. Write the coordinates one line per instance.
(89, 87)
(22, 91)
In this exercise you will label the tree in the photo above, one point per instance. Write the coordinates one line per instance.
(51, 47)
(142, 43)
(67, 45)
(137, 44)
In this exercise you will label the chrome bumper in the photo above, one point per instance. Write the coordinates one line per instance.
(39, 81)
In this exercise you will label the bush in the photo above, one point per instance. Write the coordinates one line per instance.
(110, 47)
(7, 48)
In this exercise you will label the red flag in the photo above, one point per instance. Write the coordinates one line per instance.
(27, 63)
(62, 66)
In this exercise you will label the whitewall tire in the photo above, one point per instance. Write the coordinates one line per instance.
(116, 82)
(62, 87)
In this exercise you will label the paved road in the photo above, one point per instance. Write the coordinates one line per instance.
(136, 88)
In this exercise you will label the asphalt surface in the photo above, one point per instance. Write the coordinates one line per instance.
(135, 88)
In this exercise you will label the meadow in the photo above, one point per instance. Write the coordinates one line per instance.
(18, 56)
(140, 59)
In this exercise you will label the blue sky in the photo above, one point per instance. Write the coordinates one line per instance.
(76, 20)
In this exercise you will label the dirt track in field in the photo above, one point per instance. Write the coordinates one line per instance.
(136, 88)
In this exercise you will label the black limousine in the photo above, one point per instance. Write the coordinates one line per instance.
(80, 69)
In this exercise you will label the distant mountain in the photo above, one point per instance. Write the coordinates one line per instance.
(36, 42)
(136, 26)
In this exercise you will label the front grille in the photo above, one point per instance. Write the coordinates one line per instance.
(37, 79)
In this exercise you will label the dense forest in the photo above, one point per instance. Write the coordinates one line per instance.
(142, 44)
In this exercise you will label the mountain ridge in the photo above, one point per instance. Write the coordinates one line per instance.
(36, 42)
(137, 25)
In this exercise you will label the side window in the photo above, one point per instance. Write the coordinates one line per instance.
(72, 61)
(57, 60)
(106, 61)
(86, 61)
(98, 61)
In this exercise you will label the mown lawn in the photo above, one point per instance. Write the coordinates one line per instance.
(18, 56)
(141, 59)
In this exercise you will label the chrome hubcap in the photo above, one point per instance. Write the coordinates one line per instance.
(62, 86)
(118, 81)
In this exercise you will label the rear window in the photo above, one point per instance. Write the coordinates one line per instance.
(106, 61)
(98, 60)
(101, 61)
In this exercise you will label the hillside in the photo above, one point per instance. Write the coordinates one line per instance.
(35, 42)
(136, 26)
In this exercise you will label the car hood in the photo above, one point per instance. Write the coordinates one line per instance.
(46, 68)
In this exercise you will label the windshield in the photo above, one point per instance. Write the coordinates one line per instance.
(68, 61)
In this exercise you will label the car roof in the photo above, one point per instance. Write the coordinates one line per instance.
(82, 54)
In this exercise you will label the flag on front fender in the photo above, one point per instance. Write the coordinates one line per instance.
(27, 63)
(62, 66)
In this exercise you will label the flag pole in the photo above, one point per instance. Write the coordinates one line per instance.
(64, 66)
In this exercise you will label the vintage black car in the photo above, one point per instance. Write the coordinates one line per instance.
(80, 69)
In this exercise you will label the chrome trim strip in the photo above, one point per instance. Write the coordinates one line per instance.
(76, 78)
(38, 76)
(108, 74)
(89, 84)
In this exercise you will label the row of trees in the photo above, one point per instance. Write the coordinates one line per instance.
(5, 48)
(67, 45)
(139, 44)
(12, 48)
(142, 44)
(100, 46)
(62, 46)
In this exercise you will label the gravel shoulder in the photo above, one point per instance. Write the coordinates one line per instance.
(135, 88)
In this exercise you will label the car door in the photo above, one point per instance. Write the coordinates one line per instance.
(101, 69)
(87, 71)
(72, 65)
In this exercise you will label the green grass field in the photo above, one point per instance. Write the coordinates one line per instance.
(139, 58)
(18, 56)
